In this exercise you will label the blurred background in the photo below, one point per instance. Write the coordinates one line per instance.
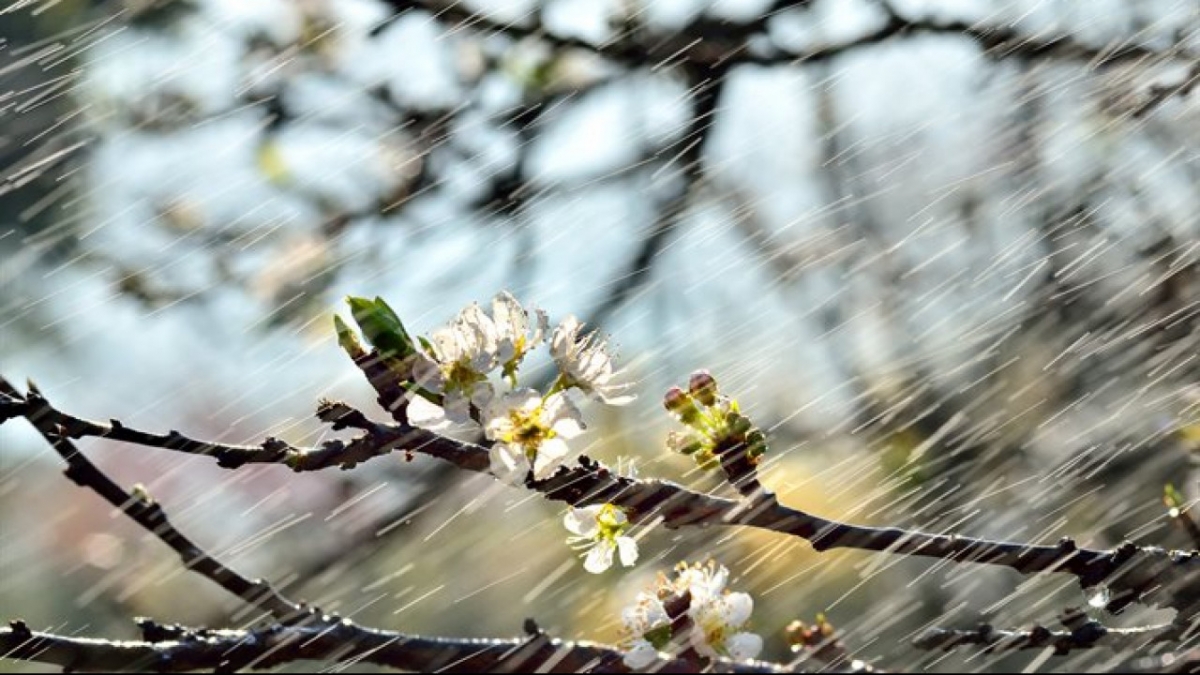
(946, 252)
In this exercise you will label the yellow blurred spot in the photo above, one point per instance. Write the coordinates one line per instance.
(270, 162)
(1190, 434)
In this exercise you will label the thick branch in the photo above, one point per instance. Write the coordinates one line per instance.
(172, 649)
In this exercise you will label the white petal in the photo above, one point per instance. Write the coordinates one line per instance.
(457, 407)
(640, 655)
(582, 522)
(628, 549)
(743, 646)
(614, 399)
(428, 374)
(508, 463)
(699, 642)
(426, 415)
(482, 394)
(736, 609)
(446, 345)
(541, 328)
(656, 613)
(567, 421)
(562, 343)
(521, 399)
(549, 455)
(600, 558)
(511, 318)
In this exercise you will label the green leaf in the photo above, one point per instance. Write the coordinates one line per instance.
(347, 338)
(381, 327)
(1171, 497)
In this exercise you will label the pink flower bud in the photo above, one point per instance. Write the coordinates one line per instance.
(703, 387)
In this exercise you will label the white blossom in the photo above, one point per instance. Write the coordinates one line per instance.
(529, 432)
(600, 530)
(457, 362)
(513, 331)
(719, 618)
(586, 364)
(648, 628)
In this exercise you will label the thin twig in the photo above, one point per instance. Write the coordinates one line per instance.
(1088, 635)
(143, 510)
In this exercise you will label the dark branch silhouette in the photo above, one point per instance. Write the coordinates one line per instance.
(1133, 574)
(1086, 635)
(175, 649)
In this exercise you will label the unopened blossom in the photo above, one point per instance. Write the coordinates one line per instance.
(586, 364)
(515, 337)
(457, 361)
(530, 433)
(600, 530)
(718, 618)
(714, 424)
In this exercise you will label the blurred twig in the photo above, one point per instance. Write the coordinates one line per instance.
(143, 510)
(1080, 633)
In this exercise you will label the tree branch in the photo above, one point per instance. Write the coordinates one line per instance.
(1085, 635)
(174, 649)
(711, 42)
(301, 632)
(143, 510)
(380, 441)
(1132, 574)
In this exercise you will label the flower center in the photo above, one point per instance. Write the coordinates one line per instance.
(529, 430)
(610, 522)
(461, 376)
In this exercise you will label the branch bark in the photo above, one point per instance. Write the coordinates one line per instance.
(1132, 574)
(175, 649)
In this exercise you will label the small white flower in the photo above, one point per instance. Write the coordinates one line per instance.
(704, 582)
(600, 530)
(528, 431)
(586, 363)
(513, 337)
(648, 629)
(718, 617)
(457, 364)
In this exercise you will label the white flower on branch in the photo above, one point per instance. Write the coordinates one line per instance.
(648, 626)
(586, 364)
(513, 332)
(717, 617)
(456, 364)
(600, 530)
(529, 431)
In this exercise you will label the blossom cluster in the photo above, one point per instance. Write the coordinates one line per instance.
(713, 624)
(469, 372)
(715, 424)
(450, 377)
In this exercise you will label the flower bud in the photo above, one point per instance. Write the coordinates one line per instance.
(682, 405)
(703, 386)
(675, 400)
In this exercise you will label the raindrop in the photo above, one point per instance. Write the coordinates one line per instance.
(1100, 598)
